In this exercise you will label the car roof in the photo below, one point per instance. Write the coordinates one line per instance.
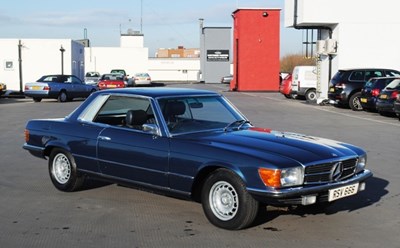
(156, 92)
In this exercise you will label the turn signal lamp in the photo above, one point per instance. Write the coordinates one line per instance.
(271, 178)
(26, 133)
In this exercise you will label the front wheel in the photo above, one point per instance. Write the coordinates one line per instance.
(226, 202)
(355, 103)
(63, 172)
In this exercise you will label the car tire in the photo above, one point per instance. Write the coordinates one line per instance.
(63, 171)
(226, 202)
(62, 97)
(288, 96)
(37, 99)
(355, 103)
(311, 96)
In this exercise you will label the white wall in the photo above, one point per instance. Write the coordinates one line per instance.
(104, 59)
(39, 57)
(173, 69)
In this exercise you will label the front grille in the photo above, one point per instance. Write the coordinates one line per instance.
(330, 172)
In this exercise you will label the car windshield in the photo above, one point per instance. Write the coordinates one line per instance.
(198, 114)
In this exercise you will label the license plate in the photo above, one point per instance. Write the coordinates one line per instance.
(383, 96)
(344, 191)
(332, 90)
(112, 86)
(36, 87)
(363, 100)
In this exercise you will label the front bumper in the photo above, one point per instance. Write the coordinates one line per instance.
(294, 196)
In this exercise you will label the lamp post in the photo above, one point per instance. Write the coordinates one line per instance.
(62, 50)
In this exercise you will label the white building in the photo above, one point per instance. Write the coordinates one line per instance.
(174, 69)
(37, 57)
(131, 56)
(352, 34)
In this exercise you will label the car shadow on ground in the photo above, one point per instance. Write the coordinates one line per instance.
(375, 190)
(94, 183)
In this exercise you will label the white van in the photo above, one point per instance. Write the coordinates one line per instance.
(304, 82)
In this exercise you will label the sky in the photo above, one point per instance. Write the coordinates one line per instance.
(164, 23)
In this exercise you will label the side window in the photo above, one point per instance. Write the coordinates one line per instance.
(392, 73)
(123, 111)
(372, 73)
(357, 76)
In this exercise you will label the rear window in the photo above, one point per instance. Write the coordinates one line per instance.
(372, 82)
(339, 76)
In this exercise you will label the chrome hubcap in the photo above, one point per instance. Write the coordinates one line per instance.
(61, 168)
(224, 200)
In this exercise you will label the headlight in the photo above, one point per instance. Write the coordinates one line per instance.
(361, 163)
(292, 176)
(282, 178)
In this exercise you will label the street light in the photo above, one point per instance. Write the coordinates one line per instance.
(62, 50)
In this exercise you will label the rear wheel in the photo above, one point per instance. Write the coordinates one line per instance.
(37, 99)
(355, 103)
(226, 202)
(311, 96)
(63, 172)
(62, 97)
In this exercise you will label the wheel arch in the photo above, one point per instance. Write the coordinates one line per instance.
(352, 93)
(51, 146)
(203, 174)
(310, 89)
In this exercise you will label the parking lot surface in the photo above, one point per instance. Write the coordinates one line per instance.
(34, 214)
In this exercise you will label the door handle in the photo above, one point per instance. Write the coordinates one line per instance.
(104, 138)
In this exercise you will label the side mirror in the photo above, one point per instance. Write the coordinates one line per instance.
(151, 128)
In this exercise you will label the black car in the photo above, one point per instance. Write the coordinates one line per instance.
(386, 99)
(345, 86)
(371, 90)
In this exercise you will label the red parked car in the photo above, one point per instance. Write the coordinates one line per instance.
(111, 81)
(286, 86)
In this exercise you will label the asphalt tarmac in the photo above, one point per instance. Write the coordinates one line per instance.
(34, 214)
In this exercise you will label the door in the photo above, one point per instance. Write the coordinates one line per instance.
(124, 150)
(133, 155)
(79, 88)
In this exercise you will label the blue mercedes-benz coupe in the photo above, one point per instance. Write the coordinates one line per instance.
(194, 144)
